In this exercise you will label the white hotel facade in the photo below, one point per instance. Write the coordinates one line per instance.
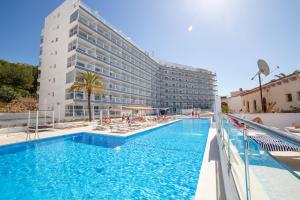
(76, 39)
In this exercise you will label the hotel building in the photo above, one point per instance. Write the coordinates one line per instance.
(76, 39)
(185, 87)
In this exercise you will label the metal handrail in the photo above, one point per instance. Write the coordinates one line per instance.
(286, 136)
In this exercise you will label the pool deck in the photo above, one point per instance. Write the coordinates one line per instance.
(210, 183)
(12, 138)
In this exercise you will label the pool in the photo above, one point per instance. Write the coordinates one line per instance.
(161, 163)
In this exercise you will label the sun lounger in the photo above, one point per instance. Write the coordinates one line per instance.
(273, 144)
(100, 128)
(292, 129)
(40, 128)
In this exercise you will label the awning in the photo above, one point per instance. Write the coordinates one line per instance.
(137, 108)
(161, 108)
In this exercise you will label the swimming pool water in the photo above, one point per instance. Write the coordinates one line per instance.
(162, 163)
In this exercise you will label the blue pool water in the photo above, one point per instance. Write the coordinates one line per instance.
(257, 155)
(162, 163)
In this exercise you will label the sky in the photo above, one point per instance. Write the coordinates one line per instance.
(225, 36)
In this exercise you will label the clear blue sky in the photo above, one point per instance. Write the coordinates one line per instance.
(227, 36)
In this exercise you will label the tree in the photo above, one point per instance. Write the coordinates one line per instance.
(8, 94)
(281, 75)
(17, 80)
(225, 107)
(90, 83)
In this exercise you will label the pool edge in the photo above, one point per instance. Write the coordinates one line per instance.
(210, 182)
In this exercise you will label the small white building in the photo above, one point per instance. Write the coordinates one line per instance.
(280, 95)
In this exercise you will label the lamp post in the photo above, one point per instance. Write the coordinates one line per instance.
(261, 95)
(264, 69)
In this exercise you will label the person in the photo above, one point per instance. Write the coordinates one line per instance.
(107, 120)
(296, 125)
(123, 117)
(129, 120)
(257, 120)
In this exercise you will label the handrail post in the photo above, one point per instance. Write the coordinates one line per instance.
(246, 161)
(228, 150)
(222, 131)
(36, 125)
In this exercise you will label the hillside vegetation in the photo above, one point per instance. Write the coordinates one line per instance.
(17, 80)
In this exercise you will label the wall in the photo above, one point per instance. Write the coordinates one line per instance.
(234, 104)
(275, 92)
(279, 120)
(54, 58)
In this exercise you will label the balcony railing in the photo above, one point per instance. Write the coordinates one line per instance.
(253, 166)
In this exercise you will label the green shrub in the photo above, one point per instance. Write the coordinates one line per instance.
(8, 94)
(17, 80)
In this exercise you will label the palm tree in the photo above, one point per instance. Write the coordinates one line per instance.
(281, 75)
(90, 83)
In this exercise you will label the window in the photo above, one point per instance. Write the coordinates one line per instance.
(79, 95)
(74, 16)
(83, 34)
(98, 69)
(97, 97)
(289, 97)
(72, 46)
(56, 39)
(73, 31)
(254, 106)
(80, 64)
(70, 76)
(71, 61)
(248, 106)
(298, 96)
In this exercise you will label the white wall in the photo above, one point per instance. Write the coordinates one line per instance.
(279, 120)
(54, 58)
(235, 104)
